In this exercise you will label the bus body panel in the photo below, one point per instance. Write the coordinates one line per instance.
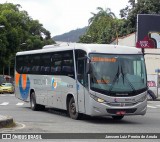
(59, 88)
(22, 87)
(53, 90)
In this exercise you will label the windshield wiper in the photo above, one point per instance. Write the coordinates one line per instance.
(125, 77)
(115, 79)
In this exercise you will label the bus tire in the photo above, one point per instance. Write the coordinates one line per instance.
(72, 109)
(117, 117)
(34, 105)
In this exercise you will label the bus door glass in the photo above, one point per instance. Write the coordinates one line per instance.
(81, 77)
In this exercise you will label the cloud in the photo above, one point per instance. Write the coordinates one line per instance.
(60, 16)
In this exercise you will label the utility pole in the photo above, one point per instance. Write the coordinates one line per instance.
(2, 26)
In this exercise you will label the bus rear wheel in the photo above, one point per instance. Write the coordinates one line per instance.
(72, 109)
(117, 117)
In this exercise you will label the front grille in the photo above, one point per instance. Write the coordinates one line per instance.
(121, 104)
(114, 111)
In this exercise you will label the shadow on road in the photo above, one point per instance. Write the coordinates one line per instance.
(89, 119)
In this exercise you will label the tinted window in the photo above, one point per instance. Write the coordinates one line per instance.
(80, 67)
(19, 64)
(45, 64)
(35, 64)
(57, 63)
(68, 64)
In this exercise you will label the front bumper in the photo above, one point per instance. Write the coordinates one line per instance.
(102, 109)
(6, 91)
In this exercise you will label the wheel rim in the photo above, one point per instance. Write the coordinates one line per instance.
(73, 108)
(32, 103)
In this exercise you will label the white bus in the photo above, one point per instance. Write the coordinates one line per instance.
(91, 79)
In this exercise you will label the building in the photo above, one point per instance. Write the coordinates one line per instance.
(128, 40)
(152, 56)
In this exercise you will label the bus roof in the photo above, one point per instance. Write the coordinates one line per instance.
(89, 48)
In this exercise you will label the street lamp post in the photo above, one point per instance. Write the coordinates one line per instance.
(157, 71)
(2, 26)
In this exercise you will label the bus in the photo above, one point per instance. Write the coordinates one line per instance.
(83, 79)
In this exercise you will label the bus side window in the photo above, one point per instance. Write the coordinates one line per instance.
(45, 64)
(19, 65)
(81, 67)
(68, 64)
(35, 61)
(56, 63)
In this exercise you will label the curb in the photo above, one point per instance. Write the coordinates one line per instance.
(5, 121)
(157, 100)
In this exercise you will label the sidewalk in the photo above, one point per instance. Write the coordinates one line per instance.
(157, 98)
(5, 121)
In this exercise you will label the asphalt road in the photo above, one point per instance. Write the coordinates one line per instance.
(56, 121)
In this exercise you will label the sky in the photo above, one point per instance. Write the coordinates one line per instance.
(60, 16)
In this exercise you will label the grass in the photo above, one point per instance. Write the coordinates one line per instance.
(10, 125)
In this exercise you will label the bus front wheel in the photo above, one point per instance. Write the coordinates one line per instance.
(72, 109)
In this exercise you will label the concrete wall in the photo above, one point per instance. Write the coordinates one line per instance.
(152, 59)
(128, 40)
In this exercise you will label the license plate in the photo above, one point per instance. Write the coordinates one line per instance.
(120, 112)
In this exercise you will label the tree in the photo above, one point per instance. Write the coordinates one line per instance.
(18, 29)
(101, 25)
(101, 13)
(124, 12)
(141, 7)
(104, 26)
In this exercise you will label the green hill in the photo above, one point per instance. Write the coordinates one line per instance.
(72, 36)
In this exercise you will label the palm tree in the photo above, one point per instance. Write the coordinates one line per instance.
(101, 13)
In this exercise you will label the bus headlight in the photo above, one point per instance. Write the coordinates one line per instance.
(97, 99)
(100, 100)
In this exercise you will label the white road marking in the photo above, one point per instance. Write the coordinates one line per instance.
(158, 105)
(19, 104)
(151, 106)
(4, 103)
(3, 95)
(21, 125)
(12, 95)
(2, 117)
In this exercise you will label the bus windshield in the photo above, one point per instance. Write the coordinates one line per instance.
(118, 74)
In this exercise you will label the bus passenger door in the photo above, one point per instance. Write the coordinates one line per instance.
(81, 77)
